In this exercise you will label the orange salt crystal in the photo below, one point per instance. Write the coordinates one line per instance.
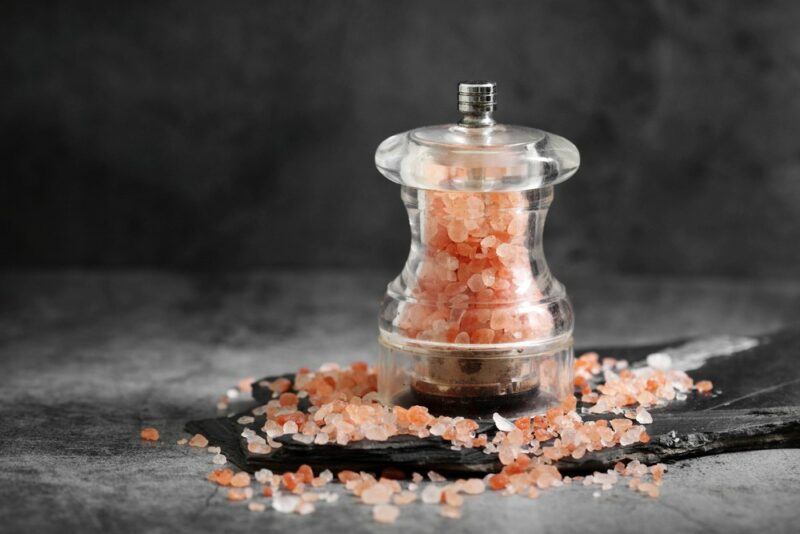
(345, 476)
(240, 480)
(288, 399)
(644, 437)
(236, 495)
(704, 386)
(498, 481)
(221, 477)
(305, 474)
(280, 385)
(359, 367)
(198, 440)
(149, 434)
(266, 491)
(290, 481)
(245, 385)
(418, 415)
(523, 423)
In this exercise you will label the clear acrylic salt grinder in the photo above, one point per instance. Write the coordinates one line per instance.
(475, 323)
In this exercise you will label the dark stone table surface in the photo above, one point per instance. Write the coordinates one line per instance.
(90, 358)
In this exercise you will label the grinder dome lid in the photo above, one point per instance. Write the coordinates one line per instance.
(477, 154)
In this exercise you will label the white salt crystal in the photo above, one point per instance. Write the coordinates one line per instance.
(219, 459)
(643, 417)
(263, 476)
(431, 495)
(245, 420)
(302, 438)
(502, 423)
(256, 507)
(290, 427)
(214, 450)
(285, 504)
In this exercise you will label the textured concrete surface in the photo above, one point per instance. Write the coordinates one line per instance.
(88, 359)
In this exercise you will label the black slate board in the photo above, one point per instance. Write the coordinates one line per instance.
(755, 405)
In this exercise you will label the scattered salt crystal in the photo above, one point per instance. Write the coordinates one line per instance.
(256, 507)
(431, 495)
(502, 423)
(182, 441)
(436, 477)
(219, 459)
(198, 440)
(404, 497)
(232, 393)
(303, 438)
(643, 416)
(596, 494)
(416, 478)
(214, 450)
(290, 427)
(240, 480)
(474, 486)
(149, 434)
(263, 476)
(246, 420)
(305, 508)
(377, 494)
(660, 361)
(285, 504)
(385, 513)
(451, 512)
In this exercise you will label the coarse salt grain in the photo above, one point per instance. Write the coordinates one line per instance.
(385, 513)
(149, 434)
(198, 440)
(285, 504)
(219, 459)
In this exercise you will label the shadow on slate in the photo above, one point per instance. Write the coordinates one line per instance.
(755, 405)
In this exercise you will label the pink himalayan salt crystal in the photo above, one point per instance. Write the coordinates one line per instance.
(473, 486)
(461, 337)
(450, 512)
(404, 497)
(304, 508)
(436, 477)
(256, 507)
(451, 497)
(475, 283)
(385, 513)
(457, 231)
(240, 480)
(198, 440)
(377, 494)
(704, 386)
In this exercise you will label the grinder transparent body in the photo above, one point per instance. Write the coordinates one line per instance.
(475, 323)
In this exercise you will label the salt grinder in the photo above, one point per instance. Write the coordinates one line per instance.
(476, 323)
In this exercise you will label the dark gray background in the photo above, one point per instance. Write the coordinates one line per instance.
(225, 135)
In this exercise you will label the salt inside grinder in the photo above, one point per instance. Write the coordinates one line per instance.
(475, 323)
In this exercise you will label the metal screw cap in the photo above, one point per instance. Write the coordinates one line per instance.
(476, 102)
